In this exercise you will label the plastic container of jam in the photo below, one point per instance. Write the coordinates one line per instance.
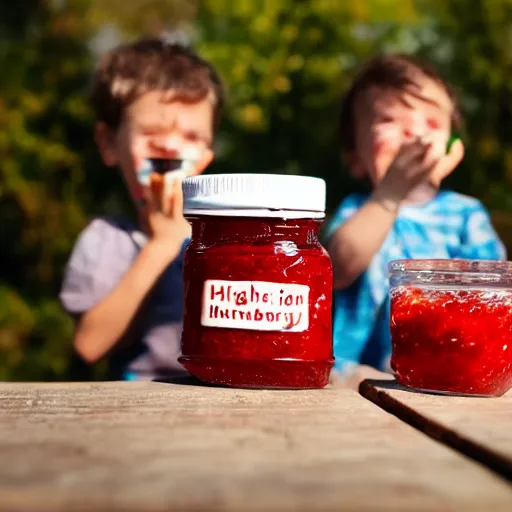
(451, 325)
(257, 282)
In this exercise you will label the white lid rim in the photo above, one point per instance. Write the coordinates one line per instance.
(254, 212)
(258, 192)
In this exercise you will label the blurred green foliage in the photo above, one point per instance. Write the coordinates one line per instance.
(286, 63)
(44, 121)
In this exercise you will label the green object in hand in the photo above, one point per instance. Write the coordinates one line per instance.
(451, 140)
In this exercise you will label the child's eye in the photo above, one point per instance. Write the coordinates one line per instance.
(385, 120)
(149, 131)
(196, 138)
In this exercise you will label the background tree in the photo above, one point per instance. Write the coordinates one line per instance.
(45, 144)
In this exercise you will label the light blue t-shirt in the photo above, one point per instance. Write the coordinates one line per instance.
(450, 226)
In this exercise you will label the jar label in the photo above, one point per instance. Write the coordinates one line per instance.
(255, 305)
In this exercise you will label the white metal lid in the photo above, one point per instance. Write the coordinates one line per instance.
(268, 195)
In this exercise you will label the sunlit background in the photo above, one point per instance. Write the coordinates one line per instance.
(286, 64)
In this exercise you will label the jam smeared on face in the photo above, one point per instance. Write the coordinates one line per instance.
(452, 340)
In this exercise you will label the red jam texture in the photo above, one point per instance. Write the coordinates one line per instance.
(246, 322)
(452, 340)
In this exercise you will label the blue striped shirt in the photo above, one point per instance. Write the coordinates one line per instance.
(450, 226)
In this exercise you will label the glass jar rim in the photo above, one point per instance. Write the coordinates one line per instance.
(452, 266)
(451, 273)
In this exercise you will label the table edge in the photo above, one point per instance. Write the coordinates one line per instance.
(375, 392)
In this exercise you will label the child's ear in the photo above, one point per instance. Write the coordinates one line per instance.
(105, 140)
(205, 160)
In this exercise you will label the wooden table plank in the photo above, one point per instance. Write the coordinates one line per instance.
(150, 446)
(481, 428)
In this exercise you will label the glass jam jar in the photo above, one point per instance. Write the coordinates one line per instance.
(258, 284)
(451, 325)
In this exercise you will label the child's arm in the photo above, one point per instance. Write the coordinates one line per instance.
(101, 327)
(354, 244)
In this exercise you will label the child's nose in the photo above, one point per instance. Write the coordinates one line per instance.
(408, 133)
(415, 125)
(168, 144)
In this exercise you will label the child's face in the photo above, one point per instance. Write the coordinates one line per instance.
(387, 118)
(155, 126)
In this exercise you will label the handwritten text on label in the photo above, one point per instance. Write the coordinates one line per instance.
(256, 305)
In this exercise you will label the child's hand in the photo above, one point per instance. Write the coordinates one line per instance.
(163, 210)
(447, 163)
(413, 164)
(417, 162)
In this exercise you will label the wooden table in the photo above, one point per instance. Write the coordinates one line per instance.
(480, 428)
(155, 446)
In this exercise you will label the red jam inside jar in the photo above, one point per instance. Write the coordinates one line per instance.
(257, 299)
(451, 325)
